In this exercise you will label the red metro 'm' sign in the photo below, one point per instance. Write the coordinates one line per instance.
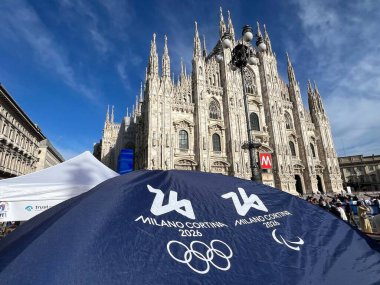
(266, 160)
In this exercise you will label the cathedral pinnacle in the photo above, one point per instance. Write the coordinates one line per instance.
(127, 112)
(141, 93)
(204, 46)
(166, 60)
(316, 88)
(231, 27)
(267, 40)
(288, 58)
(108, 114)
(112, 114)
(222, 25)
(153, 58)
(137, 105)
(197, 43)
(309, 88)
(291, 74)
(258, 30)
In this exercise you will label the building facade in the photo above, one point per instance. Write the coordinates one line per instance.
(360, 173)
(47, 155)
(199, 122)
(23, 147)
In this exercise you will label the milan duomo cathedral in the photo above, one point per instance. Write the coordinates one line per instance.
(199, 122)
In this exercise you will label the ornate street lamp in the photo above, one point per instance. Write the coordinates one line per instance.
(245, 53)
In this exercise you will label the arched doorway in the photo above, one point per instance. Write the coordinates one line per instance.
(320, 186)
(299, 188)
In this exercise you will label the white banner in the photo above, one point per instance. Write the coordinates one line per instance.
(24, 210)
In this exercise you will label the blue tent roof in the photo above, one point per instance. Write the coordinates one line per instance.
(180, 227)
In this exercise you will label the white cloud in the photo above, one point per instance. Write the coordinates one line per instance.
(121, 71)
(23, 24)
(342, 39)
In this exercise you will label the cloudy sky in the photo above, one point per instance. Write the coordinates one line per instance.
(64, 61)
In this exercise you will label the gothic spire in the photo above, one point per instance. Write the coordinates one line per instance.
(316, 88)
(112, 114)
(108, 114)
(315, 100)
(141, 93)
(182, 72)
(291, 74)
(267, 40)
(127, 112)
(197, 43)
(166, 60)
(258, 30)
(222, 25)
(288, 58)
(204, 46)
(309, 88)
(230, 26)
(153, 58)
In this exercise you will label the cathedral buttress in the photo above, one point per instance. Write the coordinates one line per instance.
(200, 102)
(326, 151)
(296, 120)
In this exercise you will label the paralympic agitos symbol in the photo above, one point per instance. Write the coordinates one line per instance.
(286, 242)
(158, 208)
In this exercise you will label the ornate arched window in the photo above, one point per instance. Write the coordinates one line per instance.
(312, 150)
(250, 82)
(214, 109)
(183, 140)
(288, 121)
(254, 120)
(292, 148)
(216, 142)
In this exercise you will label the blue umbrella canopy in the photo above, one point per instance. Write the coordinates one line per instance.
(180, 227)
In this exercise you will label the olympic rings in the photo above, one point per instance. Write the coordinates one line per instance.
(207, 257)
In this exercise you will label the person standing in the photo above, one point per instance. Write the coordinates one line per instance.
(341, 211)
(365, 225)
(349, 213)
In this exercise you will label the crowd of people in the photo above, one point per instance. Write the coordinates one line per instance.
(7, 227)
(342, 207)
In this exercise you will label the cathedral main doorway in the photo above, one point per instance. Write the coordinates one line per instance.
(320, 186)
(299, 187)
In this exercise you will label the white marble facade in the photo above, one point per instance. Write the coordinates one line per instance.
(199, 122)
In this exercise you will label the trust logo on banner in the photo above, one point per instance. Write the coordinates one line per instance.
(253, 201)
(182, 207)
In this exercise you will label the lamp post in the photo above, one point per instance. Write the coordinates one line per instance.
(243, 54)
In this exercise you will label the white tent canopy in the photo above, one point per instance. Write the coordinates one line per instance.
(26, 196)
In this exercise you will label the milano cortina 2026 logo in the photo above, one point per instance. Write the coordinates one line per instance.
(200, 256)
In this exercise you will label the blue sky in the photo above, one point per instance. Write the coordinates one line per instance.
(64, 61)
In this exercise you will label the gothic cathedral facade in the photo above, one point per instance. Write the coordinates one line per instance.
(199, 123)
